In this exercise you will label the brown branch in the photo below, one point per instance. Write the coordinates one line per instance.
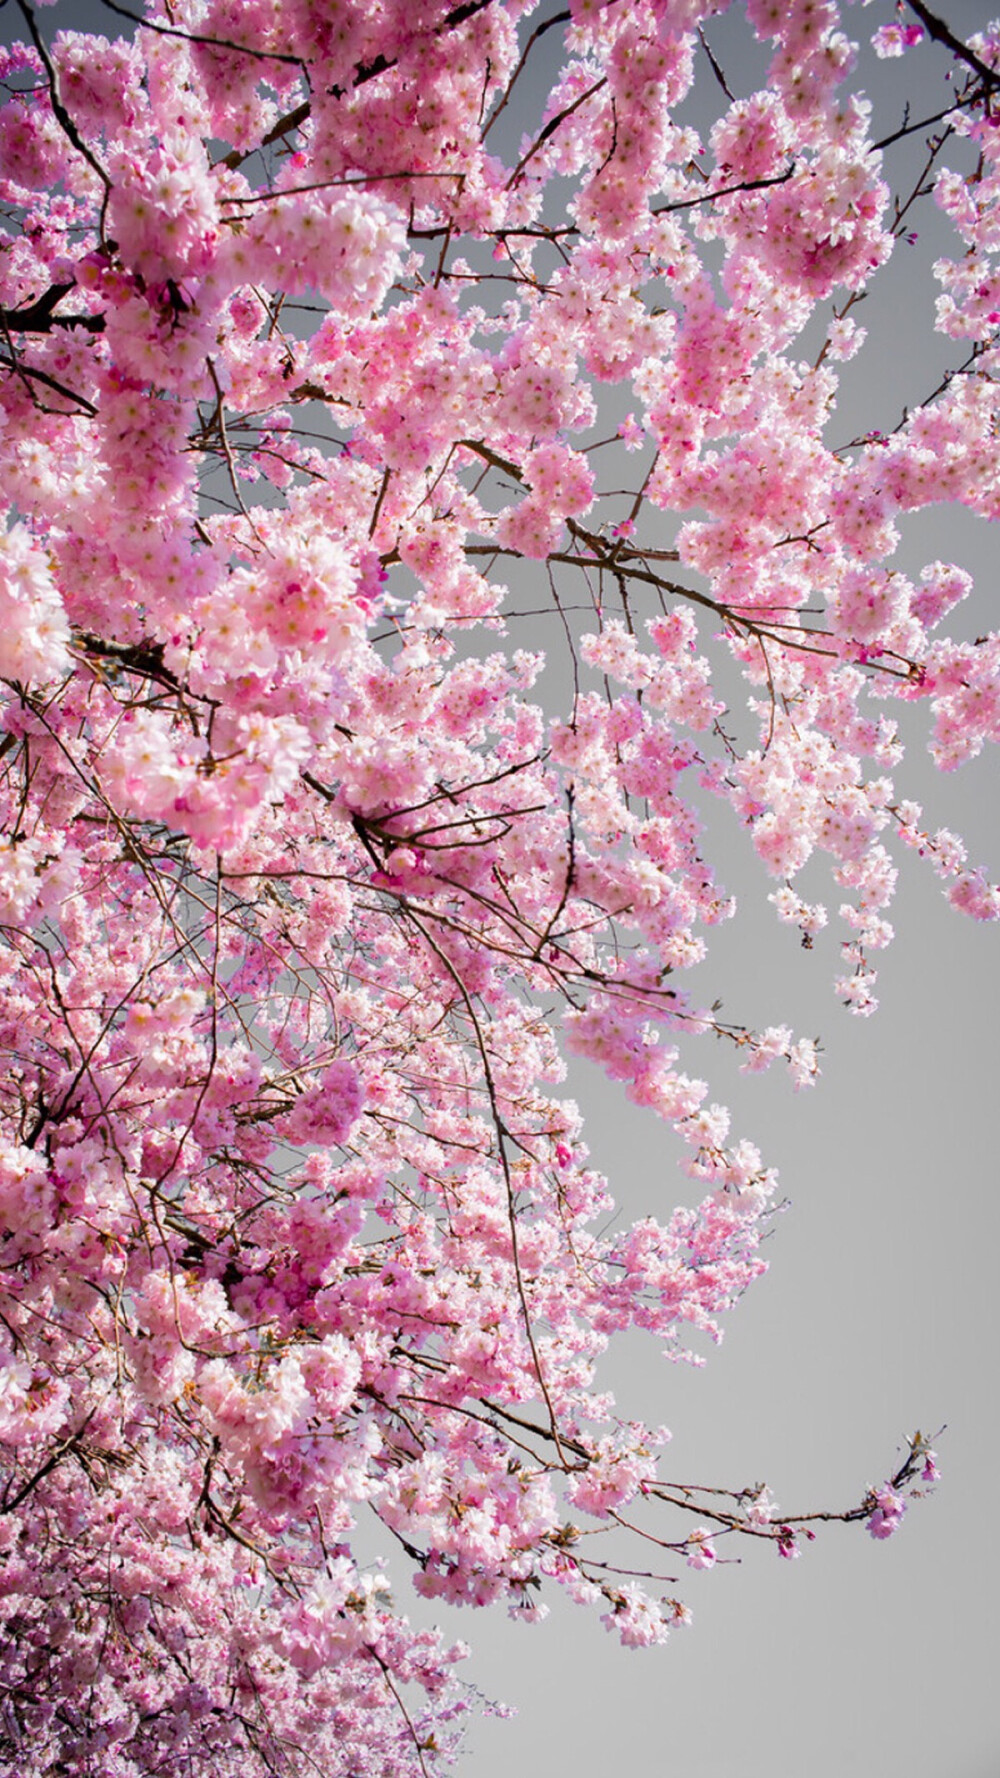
(909, 129)
(292, 120)
(559, 18)
(38, 317)
(725, 191)
(60, 112)
(61, 1450)
(936, 28)
(716, 70)
(550, 130)
(145, 658)
(42, 376)
(503, 1136)
(243, 49)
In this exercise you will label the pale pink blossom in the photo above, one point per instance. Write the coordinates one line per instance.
(364, 688)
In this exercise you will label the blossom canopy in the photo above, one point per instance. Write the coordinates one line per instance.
(415, 425)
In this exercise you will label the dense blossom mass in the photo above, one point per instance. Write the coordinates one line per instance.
(417, 419)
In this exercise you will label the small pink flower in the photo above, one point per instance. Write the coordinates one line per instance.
(787, 1543)
(888, 1513)
(701, 1551)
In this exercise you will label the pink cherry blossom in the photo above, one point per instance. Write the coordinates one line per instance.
(700, 1548)
(364, 680)
(886, 1514)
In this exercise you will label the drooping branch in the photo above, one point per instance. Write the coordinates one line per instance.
(942, 33)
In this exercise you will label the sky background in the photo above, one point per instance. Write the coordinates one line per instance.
(879, 1313)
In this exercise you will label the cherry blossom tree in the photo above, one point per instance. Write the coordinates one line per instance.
(415, 428)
